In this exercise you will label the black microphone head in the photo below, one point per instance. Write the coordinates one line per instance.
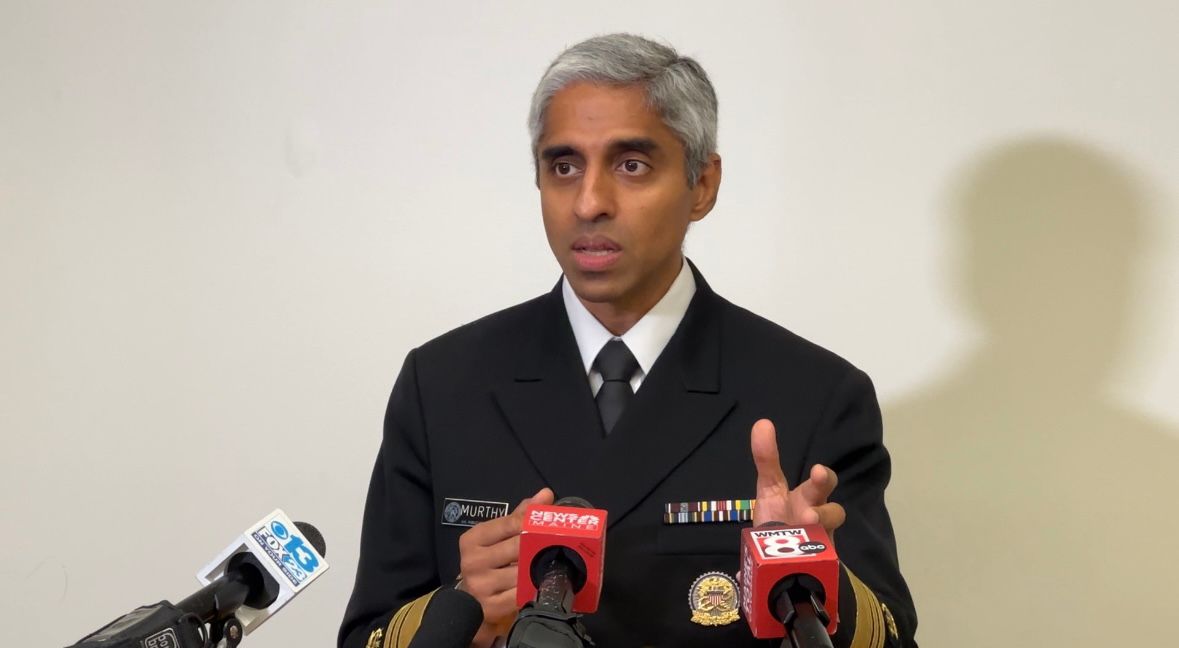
(577, 569)
(451, 620)
(542, 563)
(261, 589)
(313, 536)
(574, 501)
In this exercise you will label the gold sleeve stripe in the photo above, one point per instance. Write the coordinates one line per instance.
(405, 623)
(869, 617)
(865, 635)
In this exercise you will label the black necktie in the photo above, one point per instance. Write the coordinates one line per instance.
(616, 364)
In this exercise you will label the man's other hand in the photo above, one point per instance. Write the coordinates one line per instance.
(488, 553)
(776, 502)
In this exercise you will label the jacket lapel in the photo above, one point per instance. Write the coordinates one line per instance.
(676, 409)
(549, 406)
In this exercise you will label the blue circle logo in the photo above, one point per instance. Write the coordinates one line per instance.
(452, 512)
(280, 530)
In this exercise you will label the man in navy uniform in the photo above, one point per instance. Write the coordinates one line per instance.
(631, 384)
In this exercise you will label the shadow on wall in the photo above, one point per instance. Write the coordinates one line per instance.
(1031, 509)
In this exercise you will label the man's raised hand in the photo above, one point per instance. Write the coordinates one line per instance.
(776, 502)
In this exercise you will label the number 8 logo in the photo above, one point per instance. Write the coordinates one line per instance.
(785, 546)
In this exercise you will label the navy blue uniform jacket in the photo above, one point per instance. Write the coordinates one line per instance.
(501, 407)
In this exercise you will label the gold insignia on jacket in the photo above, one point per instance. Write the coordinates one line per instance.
(713, 599)
(890, 622)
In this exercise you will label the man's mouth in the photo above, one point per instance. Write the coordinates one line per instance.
(595, 253)
(597, 245)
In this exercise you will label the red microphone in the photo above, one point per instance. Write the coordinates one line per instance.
(790, 582)
(562, 553)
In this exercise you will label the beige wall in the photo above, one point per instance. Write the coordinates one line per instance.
(223, 224)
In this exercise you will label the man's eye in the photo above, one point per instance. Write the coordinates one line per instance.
(635, 167)
(563, 168)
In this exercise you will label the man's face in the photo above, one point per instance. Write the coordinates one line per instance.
(614, 195)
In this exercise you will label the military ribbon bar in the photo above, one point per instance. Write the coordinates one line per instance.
(736, 510)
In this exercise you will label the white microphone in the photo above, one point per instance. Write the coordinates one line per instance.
(291, 555)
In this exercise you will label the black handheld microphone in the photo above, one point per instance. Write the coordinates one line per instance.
(244, 582)
(790, 584)
(263, 569)
(560, 573)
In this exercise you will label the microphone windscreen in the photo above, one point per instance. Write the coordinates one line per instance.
(573, 501)
(313, 536)
(451, 620)
(573, 529)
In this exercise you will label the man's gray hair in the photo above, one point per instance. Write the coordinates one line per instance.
(676, 86)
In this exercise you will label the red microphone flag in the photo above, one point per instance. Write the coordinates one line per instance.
(582, 530)
(769, 554)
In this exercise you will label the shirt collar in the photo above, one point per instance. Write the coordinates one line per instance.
(647, 338)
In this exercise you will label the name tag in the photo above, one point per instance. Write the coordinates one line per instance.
(468, 512)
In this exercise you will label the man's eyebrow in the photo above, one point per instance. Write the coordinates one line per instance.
(551, 153)
(643, 145)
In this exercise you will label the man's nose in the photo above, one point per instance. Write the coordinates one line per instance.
(595, 195)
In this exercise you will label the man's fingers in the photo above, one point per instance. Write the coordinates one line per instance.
(498, 613)
(542, 496)
(831, 516)
(772, 491)
(505, 600)
(806, 504)
(501, 554)
(804, 515)
(815, 490)
(763, 441)
(491, 532)
(500, 610)
(489, 584)
(486, 534)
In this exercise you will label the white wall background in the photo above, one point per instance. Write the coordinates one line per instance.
(223, 224)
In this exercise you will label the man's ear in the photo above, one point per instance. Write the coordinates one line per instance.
(707, 187)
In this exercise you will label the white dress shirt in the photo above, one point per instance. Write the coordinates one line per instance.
(645, 339)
